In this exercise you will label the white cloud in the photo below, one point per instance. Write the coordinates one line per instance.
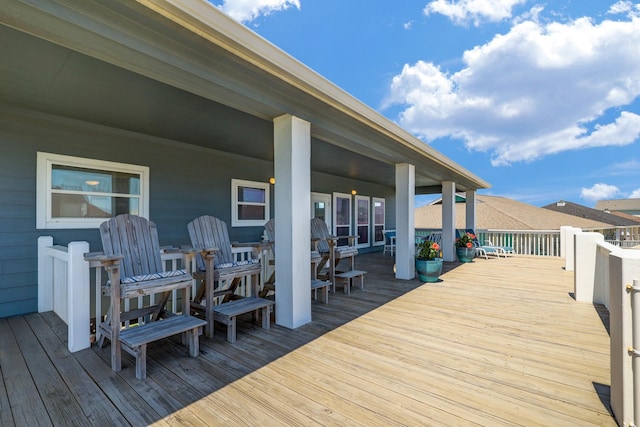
(623, 6)
(535, 91)
(477, 11)
(599, 192)
(248, 10)
(635, 194)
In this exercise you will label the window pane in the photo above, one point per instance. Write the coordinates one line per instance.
(342, 211)
(363, 211)
(378, 212)
(377, 233)
(319, 210)
(342, 231)
(251, 195)
(79, 206)
(251, 212)
(73, 178)
(363, 234)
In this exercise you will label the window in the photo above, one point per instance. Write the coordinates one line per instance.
(250, 203)
(73, 192)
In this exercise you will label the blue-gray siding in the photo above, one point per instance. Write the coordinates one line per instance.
(185, 182)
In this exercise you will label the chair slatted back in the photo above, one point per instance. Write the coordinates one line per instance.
(270, 229)
(136, 239)
(319, 230)
(210, 232)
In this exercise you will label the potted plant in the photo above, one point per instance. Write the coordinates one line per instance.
(465, 248)
(428, 261)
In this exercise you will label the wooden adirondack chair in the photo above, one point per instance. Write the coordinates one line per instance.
(220, 274)
(132, 260)
(316, 284)
(329, 251)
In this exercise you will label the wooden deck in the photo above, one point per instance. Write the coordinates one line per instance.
(497, 342)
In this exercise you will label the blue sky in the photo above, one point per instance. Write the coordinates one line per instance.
(542, 100)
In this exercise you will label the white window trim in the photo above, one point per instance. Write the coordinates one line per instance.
(44, 164)
(235, 222)
(373, 220)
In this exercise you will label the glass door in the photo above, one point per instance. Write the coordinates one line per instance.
(363, 221)
(378, 221)
(342, 216)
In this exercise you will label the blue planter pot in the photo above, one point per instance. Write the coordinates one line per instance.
(465, 254)
(429, 270)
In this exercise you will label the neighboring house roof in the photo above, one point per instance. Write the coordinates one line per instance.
(501, 213)
(581, 211)
(626, 215)
(190, 74)
(619, 205)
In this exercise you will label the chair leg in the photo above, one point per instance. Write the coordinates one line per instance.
(266, 317)
(193, 343)
(231, 331)
(141, 362)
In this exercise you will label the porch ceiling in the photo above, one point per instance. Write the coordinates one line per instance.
(202, 81)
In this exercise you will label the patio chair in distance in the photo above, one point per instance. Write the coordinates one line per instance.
(132, 259)
(333, 254)
(316, 284)
(483, 250)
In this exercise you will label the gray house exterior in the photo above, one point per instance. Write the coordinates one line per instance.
(197, 101)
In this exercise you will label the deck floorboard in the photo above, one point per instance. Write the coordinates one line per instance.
(497, 342)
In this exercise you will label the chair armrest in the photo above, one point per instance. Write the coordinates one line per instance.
(257, 245)
(108, 259)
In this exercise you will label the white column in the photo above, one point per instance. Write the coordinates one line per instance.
(471, 210)
(292, 164)
(448, 220)
(405, 221)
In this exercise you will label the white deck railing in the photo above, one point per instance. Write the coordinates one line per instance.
(604, 274)
(72, 287)
(532, 242)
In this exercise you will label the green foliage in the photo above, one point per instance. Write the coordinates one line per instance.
(466, 241)
(428, 250)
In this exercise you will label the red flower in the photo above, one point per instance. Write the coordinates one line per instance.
(436, 246)
(469, 245)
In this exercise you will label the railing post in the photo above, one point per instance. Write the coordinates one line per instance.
(569, 247)
(634, 351)
(78, 297)
(45, 275)
(584, 279)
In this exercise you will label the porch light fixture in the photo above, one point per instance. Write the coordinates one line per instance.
(272, 180)
(92, 183)
(354, 192)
